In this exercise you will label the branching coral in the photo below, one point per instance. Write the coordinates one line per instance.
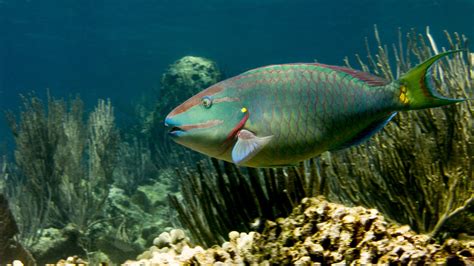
(103, 139)
(84, 188)
(3, 172)
(37, 137)
(52, 185)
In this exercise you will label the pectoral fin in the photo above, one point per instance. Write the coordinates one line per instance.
(247, 146)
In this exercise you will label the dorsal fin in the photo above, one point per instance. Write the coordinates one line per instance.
(368, 78)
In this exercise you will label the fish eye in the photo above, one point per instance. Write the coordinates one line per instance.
(206, 101)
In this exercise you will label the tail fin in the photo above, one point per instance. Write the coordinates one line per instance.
(417, 86)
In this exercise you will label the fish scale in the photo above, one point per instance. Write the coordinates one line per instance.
(286, 84)
(282, 114)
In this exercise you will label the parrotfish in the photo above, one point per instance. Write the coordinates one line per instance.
(279, 115)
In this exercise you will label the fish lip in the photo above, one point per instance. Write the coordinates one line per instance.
(173, 129)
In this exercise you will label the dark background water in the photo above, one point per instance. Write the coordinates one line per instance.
(118, 49)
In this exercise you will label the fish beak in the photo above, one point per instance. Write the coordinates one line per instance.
(173, 129)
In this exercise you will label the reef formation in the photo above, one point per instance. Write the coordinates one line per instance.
(317, 231)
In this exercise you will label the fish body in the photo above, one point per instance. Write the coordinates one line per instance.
(280, 115)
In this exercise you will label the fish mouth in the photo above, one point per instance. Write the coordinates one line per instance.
(175, 131)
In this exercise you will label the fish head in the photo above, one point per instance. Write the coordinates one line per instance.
(207, 121)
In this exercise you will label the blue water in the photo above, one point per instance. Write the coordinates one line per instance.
(118, 49)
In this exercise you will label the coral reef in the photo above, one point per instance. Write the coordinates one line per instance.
(56, 243)
(316, 232)
(73, 260)
(218, 197)
(319, 231)
(75, 174)
(128, 226)
(71, 173)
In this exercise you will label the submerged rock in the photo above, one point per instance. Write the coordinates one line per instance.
(318, 232)
(55, 244)
(189, 75)
(184, 78)
(11, 251)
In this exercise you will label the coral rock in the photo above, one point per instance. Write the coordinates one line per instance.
(177, 235)
(319, 232)
(163, 240)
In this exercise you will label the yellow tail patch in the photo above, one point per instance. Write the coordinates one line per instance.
(403, 95)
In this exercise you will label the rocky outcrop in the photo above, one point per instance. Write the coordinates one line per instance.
(10, 249)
